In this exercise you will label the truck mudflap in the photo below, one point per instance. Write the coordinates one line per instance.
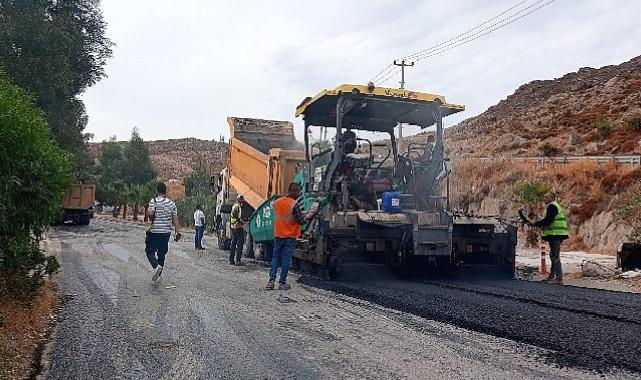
(484, 247)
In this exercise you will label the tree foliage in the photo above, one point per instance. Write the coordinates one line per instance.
(530, 193)
(126, 174)
(34, 174)
(199, 181)
(138, 167)
(198, 191)
(56, 49)
(110, 168)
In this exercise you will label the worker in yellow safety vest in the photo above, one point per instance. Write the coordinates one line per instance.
(554, 229)
(237, 223)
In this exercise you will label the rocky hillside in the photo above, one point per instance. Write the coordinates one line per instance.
(591, 111)
(588, 112)
(176, 158)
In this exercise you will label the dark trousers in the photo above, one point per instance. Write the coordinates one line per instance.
(282, 256)
(237, 242)
(198, 239)
(157, 244)
(555, 258)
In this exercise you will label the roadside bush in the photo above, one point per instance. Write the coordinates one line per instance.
(549, 150)
(628, 212)
(634, 122)
(34, 173)
(187, 206)
(603, 126)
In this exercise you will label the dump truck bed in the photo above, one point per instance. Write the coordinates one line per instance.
(79, 197)
(263, 157)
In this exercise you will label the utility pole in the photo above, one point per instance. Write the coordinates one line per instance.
(403, 65)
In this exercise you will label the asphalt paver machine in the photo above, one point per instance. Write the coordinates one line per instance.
(382, 207)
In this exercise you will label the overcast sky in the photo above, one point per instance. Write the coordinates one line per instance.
(180, 68)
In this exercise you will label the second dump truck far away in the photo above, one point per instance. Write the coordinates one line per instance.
(77, 204)
(384, 211)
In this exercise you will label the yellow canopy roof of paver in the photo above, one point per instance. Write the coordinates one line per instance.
(379, 108)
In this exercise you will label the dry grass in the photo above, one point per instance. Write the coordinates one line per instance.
(585, 188)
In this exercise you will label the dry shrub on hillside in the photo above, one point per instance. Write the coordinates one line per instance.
(628, 146)
(585, 187)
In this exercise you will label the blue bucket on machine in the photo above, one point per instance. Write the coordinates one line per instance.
(392, 201)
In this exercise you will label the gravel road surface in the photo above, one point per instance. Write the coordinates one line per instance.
(206, 319)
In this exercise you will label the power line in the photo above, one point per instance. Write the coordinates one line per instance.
(478, 35)
(389, 71)
(468, 31)
(385, 71)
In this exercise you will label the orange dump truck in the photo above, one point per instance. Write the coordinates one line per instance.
(263, 159)
(77, 204)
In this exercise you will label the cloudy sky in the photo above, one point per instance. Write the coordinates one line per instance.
(180, 68)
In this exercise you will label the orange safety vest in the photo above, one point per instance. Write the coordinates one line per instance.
(285, 225)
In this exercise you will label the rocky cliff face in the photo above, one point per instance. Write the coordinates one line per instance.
(176, 158)
(591, 111)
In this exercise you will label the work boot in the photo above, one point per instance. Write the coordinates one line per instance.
(232, 263)
(556, 281)
(284, 286)
(270, 285)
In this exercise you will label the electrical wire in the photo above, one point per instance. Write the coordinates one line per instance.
(479, 34)
(389, 71)
(467, 31)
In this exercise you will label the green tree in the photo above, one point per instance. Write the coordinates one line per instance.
(199, 181)
(138, 167)
(34, 174)
(110, 169)
(56, 49)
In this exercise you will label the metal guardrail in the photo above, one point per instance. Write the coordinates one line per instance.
(624, 159)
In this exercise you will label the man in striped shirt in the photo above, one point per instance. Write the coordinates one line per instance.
(163, 214)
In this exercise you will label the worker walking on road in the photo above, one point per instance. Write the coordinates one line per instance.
(554, 229)
(162, 212)
(288, 219)
(199, 224)
(237, 222)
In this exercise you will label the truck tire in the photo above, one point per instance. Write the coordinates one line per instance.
(84, 220)
(224, 243)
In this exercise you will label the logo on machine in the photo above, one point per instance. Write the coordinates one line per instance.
(401, 94)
